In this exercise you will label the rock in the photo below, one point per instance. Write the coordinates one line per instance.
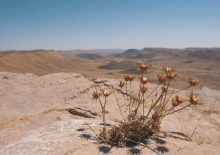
(47, 115)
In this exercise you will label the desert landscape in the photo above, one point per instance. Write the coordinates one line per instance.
(82, 77)
(47, 105)
(202, 64)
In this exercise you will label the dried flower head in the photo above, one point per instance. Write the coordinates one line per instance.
(143, 67)
(168, 69)
(144, 80)
(155, 116)
(192, 81)
(126, 77)
(129, 77)
(171, 75)
(156, 121)
(162, 78)
(106, 92)
(176, 101)
(143, 89)
(193, 99)
(156, 125)
(164, 89)
(96, 95)
(121, 84)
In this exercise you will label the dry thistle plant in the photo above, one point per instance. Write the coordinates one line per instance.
(140, 125)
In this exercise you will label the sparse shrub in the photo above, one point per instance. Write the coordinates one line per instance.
(140, 125)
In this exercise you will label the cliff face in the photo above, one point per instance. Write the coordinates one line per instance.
(47, 115)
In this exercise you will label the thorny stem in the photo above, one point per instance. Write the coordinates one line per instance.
(143, 104)
(168, 110)
(180, 89)
(166, 92)
(162, 115)
(160, 100)
(167, 102)
(142, 74)
(177, 110)
(105, 128)
(99, 99)
(139, 102)
(131, 91)
(152, 91)
(173, 93)
(169, 97)
(118, 105)
(103, 114)
(162, 93)
(92, 129)
(164, 99)
(153, 106)
(126, 89)
(130, 105)
(145, 99)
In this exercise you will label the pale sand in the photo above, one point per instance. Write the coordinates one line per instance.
(34, 119)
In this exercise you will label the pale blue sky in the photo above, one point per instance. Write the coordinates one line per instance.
(98, 24)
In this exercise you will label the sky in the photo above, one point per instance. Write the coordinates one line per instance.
(108, 24)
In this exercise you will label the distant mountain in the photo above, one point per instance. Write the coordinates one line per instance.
(24, 51)
(148, 53)
(145, 56)
(211, 54)
(188, 53)
(202, 48)
(128, 53)
(95, 51)
(89, 56)
(101, 52)
(118, 65)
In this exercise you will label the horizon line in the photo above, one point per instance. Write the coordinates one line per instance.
(111, 49)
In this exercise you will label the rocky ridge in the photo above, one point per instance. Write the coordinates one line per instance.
(47, 115)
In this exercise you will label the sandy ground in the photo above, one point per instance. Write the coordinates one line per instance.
(47, 115)
(46, 98)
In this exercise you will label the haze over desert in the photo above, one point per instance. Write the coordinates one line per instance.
(49, 94)
(109, 77)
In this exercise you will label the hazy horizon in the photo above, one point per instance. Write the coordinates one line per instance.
(113, 49)
(125, 24)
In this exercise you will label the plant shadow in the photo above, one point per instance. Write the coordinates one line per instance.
(104, 149)
(134, 151)
(80, 129)
(106, 124)
(162, 149)
(160, 141)
(85, 136)
(145, 141)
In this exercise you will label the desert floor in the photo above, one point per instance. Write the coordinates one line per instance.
(46, 98)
